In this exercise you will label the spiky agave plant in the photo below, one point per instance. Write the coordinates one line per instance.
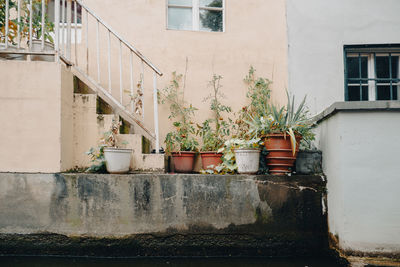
(287, 120)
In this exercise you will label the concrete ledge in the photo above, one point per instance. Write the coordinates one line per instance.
(357, 106)
(161, 214)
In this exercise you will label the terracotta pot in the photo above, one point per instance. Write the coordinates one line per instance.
(183, 161)
(280, 158)
(210, 159)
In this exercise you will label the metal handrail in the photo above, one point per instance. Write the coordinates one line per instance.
(131, 47)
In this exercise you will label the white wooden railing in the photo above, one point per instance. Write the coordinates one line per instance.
(86, 58)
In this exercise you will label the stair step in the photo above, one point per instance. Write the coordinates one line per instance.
(85, 101)
(140, 161)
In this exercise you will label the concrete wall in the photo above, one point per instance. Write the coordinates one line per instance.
(36, 116)
(360, 160)
(218, 214)
(30, 108)
(255, 37)
(317, 31)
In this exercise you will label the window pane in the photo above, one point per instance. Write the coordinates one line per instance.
(382, 67)
(179, 18)
(354, 93)
(395, 66)
(384, 92)
(353, 67)
(180, 2)
(211, 20)
(210, 3)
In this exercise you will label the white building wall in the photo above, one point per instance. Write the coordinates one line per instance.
(361, 163)
(317, 31)
(360, 148)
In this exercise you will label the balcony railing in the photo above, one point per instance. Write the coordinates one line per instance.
(86, 43)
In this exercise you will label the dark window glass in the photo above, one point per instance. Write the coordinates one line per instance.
(383, 92)
(353, 68)
(354, 93)
(210, 3)
(211, 20)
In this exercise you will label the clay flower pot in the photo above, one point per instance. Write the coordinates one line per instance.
(280, 158)
(210, 159)
(183, 161)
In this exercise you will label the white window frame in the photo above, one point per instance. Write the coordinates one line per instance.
(371, 55)
(196, 14)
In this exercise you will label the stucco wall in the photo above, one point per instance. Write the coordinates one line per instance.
(30, 108)
(360, 160)
(255, 37)
(317, 31)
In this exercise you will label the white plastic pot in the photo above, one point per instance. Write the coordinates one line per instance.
(118, 160)
(247, 160)
(37, 47)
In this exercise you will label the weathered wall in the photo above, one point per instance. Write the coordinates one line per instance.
(220, 214)
(361, 165)
(317, 31)
(30, 108)
(67, 120)
(256, 37)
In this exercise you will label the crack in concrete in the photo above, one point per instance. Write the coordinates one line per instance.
(301, 188)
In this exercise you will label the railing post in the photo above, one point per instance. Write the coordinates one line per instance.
(43, 24)
(18, 25)
(109, 61)
(155, 103)
(132, 85)
(76, 31)
(120, 73)
(6, 23)
(30, 24)
(69, 6)
(57, 25)
(98, 51)
(87, 41)
(141, 87)
(63, 27)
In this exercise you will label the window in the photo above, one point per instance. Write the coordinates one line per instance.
(372, 72)
(197, 15)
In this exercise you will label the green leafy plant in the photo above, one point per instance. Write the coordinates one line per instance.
(228, 159)
(182, 138)
(36, 21)
(214, 131)
(258, 92)
(287, 120)
(12, 23)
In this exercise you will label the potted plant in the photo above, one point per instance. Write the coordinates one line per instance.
(215, 130)
(12, 31)
(115, 159)
(242, 153)
(37, 29)
(180, 143)
(282, 129)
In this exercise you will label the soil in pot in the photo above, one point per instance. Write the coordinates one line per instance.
(247, 160)
(280, 158)
(183, 161)
(210, 159)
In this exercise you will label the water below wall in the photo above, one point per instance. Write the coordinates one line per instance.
(170, 262)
